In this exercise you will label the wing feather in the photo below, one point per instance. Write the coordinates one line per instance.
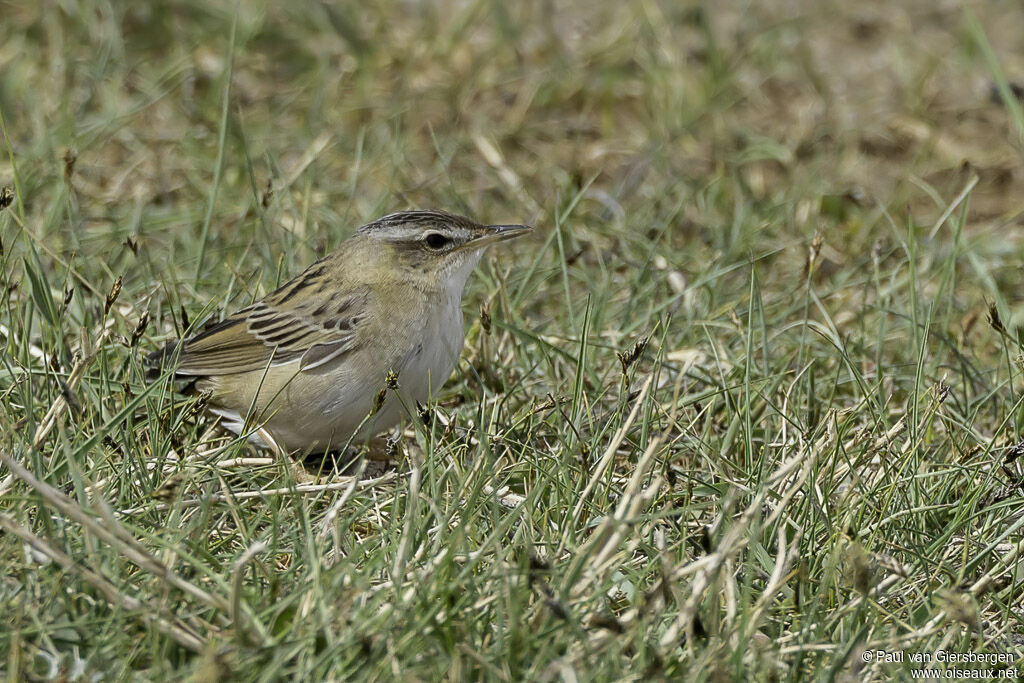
(275, 331)
(322, 354)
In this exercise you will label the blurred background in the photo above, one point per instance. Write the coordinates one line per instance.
(725, 128)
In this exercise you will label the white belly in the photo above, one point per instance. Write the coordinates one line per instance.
(331, 410)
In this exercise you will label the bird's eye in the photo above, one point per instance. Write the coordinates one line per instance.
(436, 240)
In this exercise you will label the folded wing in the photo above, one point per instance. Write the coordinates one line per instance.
(275, 331)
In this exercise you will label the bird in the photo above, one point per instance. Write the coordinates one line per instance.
(305, 368)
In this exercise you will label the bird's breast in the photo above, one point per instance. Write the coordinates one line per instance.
(435, 352)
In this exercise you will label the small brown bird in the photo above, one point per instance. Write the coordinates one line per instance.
(305, 364)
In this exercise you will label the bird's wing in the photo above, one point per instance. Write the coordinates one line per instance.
(283, 327)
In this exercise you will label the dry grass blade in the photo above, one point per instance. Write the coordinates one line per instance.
(311, 153)
(796, 469)
(169, 626)
(786, 554)
(58, 407)
(412, 503)
(117, 536)
(300, 489)
(1007, 563)
(45, 246)
(490, 152)
(598, 551)
(607, 458)
(238, 614)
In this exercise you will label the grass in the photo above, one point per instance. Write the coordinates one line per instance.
(747, 407)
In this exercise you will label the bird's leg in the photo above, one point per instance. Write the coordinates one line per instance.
(384, 447)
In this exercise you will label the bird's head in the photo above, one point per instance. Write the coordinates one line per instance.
(437, 248)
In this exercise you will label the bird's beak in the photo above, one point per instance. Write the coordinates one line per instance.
(497, 233)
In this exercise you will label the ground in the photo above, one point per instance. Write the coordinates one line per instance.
(746, 406)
